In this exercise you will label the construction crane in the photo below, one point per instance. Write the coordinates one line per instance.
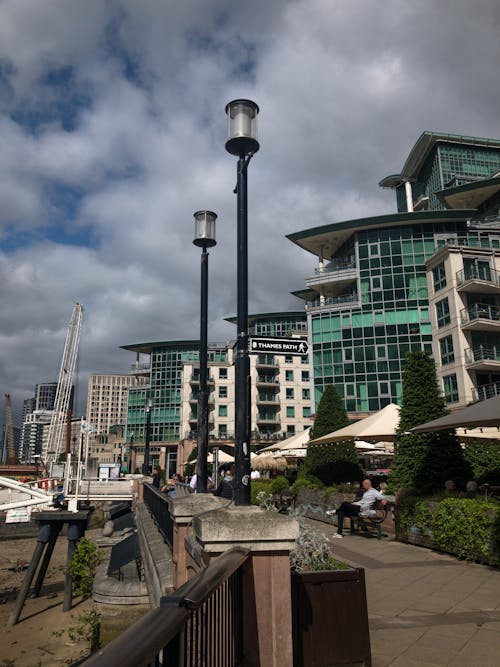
(9, 431)
(55, 442)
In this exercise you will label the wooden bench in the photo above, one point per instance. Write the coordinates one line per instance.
(374, 521)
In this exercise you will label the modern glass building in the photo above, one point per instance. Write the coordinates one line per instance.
(367, 302)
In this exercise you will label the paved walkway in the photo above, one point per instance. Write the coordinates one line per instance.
(426, 609)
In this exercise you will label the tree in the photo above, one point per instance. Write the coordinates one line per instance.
(330, 415)
(427, 460)
(334, 462)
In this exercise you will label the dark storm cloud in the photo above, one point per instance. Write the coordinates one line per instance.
(112, 127)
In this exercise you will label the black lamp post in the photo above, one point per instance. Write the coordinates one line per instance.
(145, 465)
(204, 238)
(242, 141)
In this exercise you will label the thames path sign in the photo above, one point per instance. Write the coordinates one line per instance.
(278, 346)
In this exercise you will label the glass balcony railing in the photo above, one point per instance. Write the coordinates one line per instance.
(480, 312)
(333, 301)
(482, 353)
(267, 379)
(483, 273)
(486, 391)
(337, 266)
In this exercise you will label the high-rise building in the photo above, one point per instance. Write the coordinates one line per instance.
(280, 396)
(45, 395)
(107, 398)
(367, 302)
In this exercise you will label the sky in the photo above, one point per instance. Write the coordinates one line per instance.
(112, 133)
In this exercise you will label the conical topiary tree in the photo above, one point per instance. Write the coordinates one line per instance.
(427, 460)
(330, 415)
(334, 462)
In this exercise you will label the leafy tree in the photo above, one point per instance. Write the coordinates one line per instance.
(484, 459)
(330, 415)
(427, 460)
(334, 462)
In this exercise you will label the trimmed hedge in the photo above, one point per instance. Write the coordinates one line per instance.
(465, 527)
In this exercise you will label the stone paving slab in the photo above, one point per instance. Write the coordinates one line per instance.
(425, 609)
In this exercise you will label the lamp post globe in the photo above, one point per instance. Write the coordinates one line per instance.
(204, 229)
(242, 127)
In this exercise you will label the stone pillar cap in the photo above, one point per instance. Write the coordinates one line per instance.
(184, 508)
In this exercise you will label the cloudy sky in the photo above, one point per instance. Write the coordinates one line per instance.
(112, 131)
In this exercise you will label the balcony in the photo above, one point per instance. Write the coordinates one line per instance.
(486, 391)
(483, 358)
(333, 302)
(140, 370)
(479, 279)
(268, 399)
(267, 361)
(269, 381)
(481, 317)
(194, 397)
(268, 418)
(195, 379)
(335, 277)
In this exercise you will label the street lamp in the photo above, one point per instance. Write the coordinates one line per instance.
(242, 141)
(204, 237)
(145, 465)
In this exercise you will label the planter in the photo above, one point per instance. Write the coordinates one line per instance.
(330, 618)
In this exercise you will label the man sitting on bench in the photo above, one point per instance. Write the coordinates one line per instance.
(363, 507)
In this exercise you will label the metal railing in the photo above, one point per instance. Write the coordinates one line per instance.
(157, 504)
(486, 391)
(480, 312)
(484, 273)
(200, 625)
(482, 353)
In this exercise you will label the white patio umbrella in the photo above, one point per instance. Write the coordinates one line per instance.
(380, 426)
(296, 441)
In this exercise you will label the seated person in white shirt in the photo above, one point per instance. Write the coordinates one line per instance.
(362, 507)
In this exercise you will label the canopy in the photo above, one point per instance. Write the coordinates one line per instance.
(380, 426)
(484, 413)
(296, 441)
(269, 462)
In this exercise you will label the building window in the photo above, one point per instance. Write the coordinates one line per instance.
(223, 431)
(443, 313)
(290, 411)
(306, 394)
(290, 430)
(289, 393)
(289, 376)
(222, 410)
(381, 351)
(288, 359)
(374, 249)
(223, 373)
(376, 283)
(223, 392)
(305, 376)
(439, 276)
(306, 412)
(450, 388)
(446, 347)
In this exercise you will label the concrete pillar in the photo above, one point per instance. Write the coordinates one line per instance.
(409, 197)
(267, 613)
(182, 510)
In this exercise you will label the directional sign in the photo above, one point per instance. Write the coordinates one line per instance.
(278, 346)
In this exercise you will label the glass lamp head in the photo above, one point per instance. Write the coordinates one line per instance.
(242, 127)
(204, 226)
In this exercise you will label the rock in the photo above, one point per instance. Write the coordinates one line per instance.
(108, 529)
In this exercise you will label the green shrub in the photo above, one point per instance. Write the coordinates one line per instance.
(301, 483)
(279, 484)
(484, 460)
(256, 487)
(86, 558)
(461, 526)
(330, 415)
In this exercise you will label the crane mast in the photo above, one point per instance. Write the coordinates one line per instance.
(9, 430)
(57, 428)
